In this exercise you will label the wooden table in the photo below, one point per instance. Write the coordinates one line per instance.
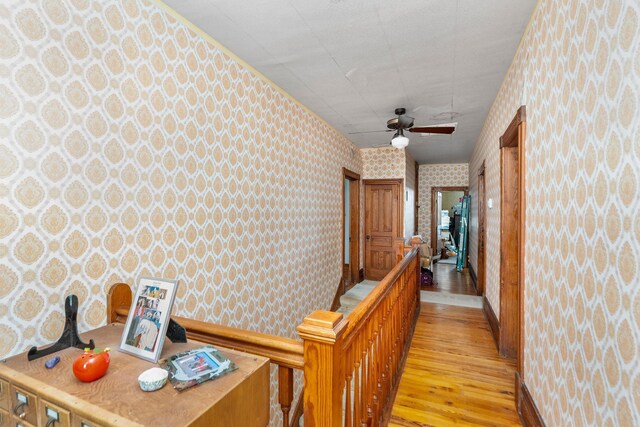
(240, 398)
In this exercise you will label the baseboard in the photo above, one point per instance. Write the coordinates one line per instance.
(361, 275)
(527, 409)
(474, 278)
(494, 325)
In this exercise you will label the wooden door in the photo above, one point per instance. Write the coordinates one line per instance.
(482, 224)
(512, 217)
(383, 216)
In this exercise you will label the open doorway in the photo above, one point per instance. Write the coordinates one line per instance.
(350, 228)
(446, 217)
(448, 211)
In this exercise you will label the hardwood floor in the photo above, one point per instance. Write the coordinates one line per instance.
(453, 374)
(447, 279)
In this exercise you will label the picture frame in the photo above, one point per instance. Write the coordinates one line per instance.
(148, 319)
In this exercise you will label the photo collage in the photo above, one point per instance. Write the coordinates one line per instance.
(147, 318)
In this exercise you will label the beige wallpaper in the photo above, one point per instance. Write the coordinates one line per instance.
(131, 146)
(578, 72)
(437, 175)
(381, 163)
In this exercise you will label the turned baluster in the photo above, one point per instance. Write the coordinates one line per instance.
(285, 392)
(356, 381)
(365, 377)
(348, 371)
(371, 381)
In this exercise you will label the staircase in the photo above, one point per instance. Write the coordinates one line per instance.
(355, 295)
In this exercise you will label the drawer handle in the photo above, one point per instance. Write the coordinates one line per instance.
(18, 408)
(52, 416)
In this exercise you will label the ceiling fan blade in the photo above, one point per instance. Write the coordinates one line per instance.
(370, 131)
(444, 130)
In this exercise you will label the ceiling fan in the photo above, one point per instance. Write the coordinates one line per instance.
(404, 122)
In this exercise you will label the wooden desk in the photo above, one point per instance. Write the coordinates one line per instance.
(240, 398)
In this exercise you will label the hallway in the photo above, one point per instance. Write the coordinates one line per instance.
(446, 279)
(453, 374)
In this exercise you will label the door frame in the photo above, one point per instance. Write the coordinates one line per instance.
(415, 200)
(482, 232)
(400, 214)
(434, 190)
(354, 224)
(513, 322)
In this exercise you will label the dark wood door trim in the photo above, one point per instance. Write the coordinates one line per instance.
(350, 175)
(511, 136)
(512, 228)
(434, 190)
(415, 200)
(354, 223)
(399, 183)
(482, 231)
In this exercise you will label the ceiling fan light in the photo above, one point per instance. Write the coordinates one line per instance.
(399, 141)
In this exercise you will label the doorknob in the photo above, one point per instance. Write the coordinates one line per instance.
(368, 237)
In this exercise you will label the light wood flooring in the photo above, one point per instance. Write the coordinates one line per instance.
(453, 374)
(447, 279)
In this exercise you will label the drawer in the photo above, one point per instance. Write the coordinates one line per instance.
(81, 422)
(17, 422)
(4, 396)
(24, 405)
(53, 416)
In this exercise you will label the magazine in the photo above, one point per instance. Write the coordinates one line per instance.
(196, 366)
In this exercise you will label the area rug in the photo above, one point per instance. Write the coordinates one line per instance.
(471, 301)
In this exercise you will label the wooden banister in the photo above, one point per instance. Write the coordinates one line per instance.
(364, 309)
(282, 351)
(351, 365)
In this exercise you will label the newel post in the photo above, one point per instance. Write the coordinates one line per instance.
(322, 332)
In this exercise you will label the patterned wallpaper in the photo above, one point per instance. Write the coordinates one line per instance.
(439, 175)
(578, 73)
(381, 163)
(131, 146)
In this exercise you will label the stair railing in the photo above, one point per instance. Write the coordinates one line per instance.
(357, 360)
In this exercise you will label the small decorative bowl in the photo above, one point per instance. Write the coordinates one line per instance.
(153, 379)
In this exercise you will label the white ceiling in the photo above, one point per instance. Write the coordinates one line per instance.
(354, 61)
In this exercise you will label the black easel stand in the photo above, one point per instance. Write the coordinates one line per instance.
(69, 336)
(176, 332)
